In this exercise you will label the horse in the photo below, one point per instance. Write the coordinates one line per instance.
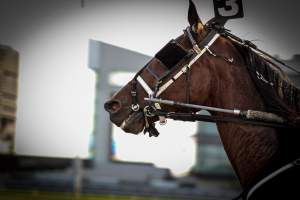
(229, 75)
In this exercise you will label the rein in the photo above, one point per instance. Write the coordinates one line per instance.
(226, 33)
(249, 117)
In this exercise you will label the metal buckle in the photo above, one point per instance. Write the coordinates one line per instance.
(297, 162)
(147, 111)
(197, 49)
(133, 93)
(162, 120)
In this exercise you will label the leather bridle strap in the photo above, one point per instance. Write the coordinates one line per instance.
(145, 86)
(213, 37)
(134, 106)
(192, 117)
(192, 40)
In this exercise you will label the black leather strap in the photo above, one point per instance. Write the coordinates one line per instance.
(190, 36)
(207, 39)
(205, 118)
(134, 92)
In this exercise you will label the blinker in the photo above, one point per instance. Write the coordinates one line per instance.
(171, 54)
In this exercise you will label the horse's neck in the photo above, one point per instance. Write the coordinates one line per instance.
(251, 150)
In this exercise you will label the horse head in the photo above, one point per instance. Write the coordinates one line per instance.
(127, 106)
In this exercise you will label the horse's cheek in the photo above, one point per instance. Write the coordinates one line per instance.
(200, 87)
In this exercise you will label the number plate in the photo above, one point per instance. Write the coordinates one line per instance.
(228, 9)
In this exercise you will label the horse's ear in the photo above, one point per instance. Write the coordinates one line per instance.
(194, 18)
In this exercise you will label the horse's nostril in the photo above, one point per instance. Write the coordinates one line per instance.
(112, 106)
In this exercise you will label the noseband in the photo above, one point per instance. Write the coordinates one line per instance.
(170, 62)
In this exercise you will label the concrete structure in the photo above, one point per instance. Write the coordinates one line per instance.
(9, 73)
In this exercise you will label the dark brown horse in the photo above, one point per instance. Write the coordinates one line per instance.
(221, 77)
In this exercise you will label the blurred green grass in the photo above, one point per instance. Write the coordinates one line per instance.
(38, 195)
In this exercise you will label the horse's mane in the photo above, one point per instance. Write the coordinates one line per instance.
(280, 95)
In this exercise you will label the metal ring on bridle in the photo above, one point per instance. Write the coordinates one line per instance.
(135, 107)
(147, 111)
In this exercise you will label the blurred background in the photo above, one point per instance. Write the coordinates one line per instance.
(60, 60)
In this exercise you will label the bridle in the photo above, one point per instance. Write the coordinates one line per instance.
(183, 58)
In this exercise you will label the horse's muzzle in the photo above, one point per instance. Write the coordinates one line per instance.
(113, 106)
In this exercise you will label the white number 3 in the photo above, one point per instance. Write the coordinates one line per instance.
(234, 9)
